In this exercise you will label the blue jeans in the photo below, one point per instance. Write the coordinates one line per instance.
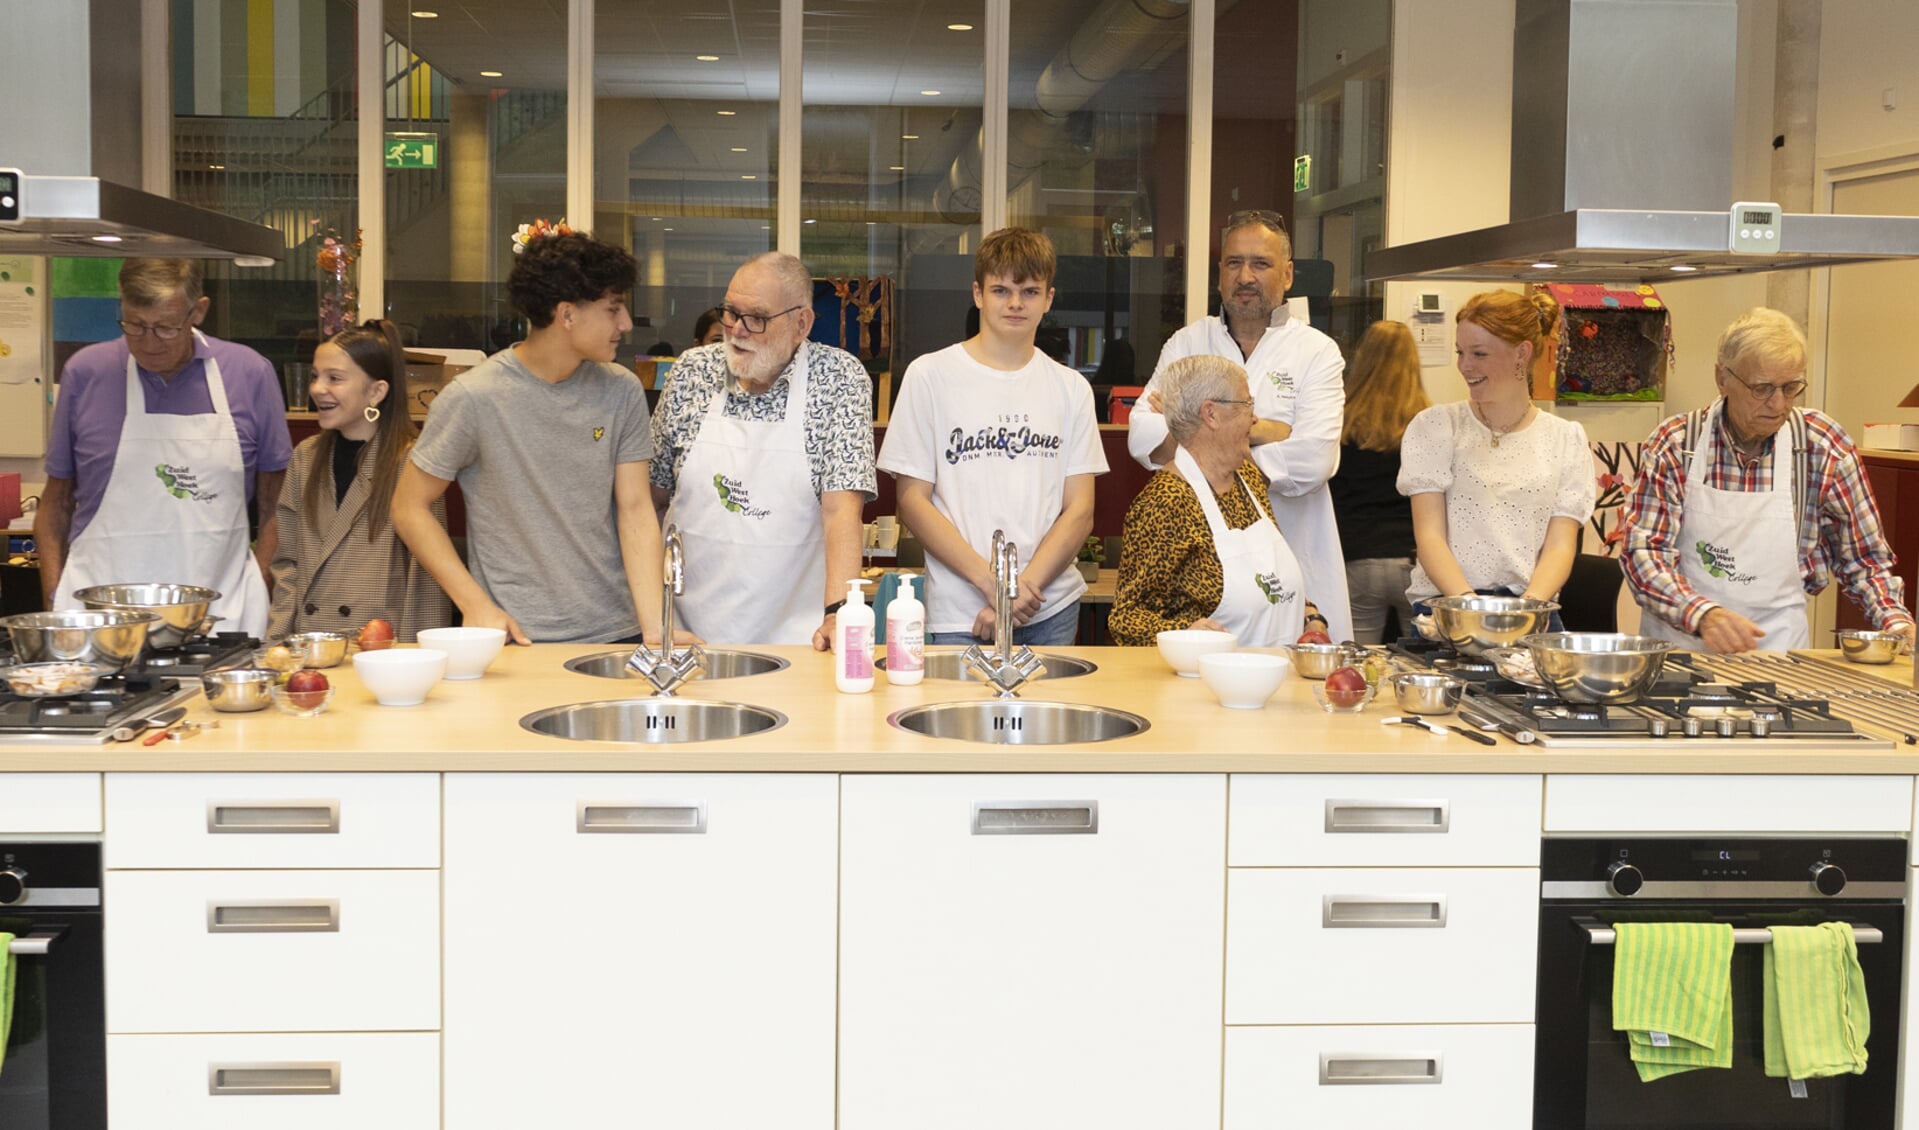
(1553, 623)
(1058, 630)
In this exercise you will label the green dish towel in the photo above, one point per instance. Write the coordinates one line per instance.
(6, 992)
(1672, 995)
(1815, 1003)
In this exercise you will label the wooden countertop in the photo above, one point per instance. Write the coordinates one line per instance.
(474, 726)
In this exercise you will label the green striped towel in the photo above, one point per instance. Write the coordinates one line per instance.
(6, 992)
(1672, 995)
(1816, 1015)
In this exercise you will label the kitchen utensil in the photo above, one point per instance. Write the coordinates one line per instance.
(110, 638)
(1318, 660)
(186, 730)
(317, 649)
(401, 676)
(161, 720)
(1414, 721)
(1423, 693)
(53, 680)
(1243, 680)
(160, 735)
(1859, 646)
(1597, 667)
(182, 608)
(1181, 649)
(1471, 624)
(1485, 721)
(1473, 734)
(238, 690)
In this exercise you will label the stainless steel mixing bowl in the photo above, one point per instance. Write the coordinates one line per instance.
(1471, 624)
(1860, 646)
(110, 638)
(182, 608)
(1418, 692)
(1597, 667)
(238, 690)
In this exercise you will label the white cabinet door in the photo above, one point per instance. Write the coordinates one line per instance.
(1765, 805)
(277, 820)
(1384, 820)
(1066, 978)
(383, 1081)
(646, 950)
(1385, 1077)
(49, 802)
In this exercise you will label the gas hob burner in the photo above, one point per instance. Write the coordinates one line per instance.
(198, 655)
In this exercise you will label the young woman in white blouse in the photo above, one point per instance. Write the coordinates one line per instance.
(1499, 489)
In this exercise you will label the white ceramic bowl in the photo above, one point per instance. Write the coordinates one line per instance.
(1183, 648)
(1243, 680)
(400, 676)
(469, 651)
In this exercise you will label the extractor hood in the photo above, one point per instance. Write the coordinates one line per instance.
(90, 217)
(1623, 122)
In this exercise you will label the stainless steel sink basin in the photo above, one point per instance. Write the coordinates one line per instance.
(948, 665)
(652, 721)
(720, 664)
(1012, 722)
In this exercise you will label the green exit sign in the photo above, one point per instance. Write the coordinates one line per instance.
(412, 151)
(1302, 174)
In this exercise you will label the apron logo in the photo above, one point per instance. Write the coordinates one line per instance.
(1720, 562)
(1010, 442)
(733, 496)
(598, 434)
(182, 483)
(1282, 380)
(1269, 584)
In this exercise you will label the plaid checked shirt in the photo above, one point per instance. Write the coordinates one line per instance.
(1838, 519)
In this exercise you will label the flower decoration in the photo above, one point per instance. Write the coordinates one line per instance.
(336, 257)
(527, 233)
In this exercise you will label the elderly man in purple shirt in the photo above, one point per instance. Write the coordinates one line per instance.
(159, 439)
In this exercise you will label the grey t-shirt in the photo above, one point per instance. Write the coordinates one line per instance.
(536, 462)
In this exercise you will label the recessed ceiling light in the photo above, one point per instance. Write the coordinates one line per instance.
(491, 74)
(1543, 266)
(726, 113)
(896, 168)
(931, 93)
(216, 166)
(749, 176)
(423, 15)
(871, 223)
(707, 58)
(959, 27)
(739, 149)
(654, 219)
(1683, 267)
(116, 239)
(809, 221)
(909, 137)
(666, 229)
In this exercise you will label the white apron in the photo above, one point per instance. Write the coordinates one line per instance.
(1752, 541)
(750, 524)
(1261, 601)
(174, 511)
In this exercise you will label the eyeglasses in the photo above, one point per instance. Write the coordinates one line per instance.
(1272, 220)
(1765, 392)
(754, 323)
(141, 329)
(1222, 400)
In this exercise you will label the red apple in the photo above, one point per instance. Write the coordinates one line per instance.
(1346, 686)
(1313, 635)
(376, 636)
(306, 689)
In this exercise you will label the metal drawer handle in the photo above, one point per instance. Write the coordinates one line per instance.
(654, 816)
(1401, 816)
(1035, 817)
(37, 944)
(1741, 936)
(273, 1078)
(1350, 912)
(273, 817)
(1370, 1069)
(273, 916)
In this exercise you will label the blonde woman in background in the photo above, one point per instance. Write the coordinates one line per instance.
(1383, 394)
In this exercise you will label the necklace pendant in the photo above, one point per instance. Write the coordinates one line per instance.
(1495, 439)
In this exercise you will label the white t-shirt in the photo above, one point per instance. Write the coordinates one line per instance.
(998, 448)
(1498, 499)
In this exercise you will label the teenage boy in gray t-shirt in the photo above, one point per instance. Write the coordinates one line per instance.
(550, 443)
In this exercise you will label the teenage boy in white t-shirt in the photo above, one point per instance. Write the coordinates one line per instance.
(991, 434)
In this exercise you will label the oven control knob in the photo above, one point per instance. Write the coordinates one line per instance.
(1828, 878)
(13, 886)
(1624, 879)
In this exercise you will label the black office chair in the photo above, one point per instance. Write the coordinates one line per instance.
(1589, 602)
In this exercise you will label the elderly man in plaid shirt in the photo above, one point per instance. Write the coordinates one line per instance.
(1744, 507)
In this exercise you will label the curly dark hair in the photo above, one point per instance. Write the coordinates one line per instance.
(567, 268)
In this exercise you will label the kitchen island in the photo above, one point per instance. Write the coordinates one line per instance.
(451, 921)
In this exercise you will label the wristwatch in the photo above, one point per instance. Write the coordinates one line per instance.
(832, 608)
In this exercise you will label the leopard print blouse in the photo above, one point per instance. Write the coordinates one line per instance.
(1169, 574)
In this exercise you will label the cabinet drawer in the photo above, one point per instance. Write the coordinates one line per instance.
(1472, 1075)
(1375, 946)
(243, 820)
(251, 951)
(385, 1081)
(1356, 820)
(1721, 803)
(49, 802)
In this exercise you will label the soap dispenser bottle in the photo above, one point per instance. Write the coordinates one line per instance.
(853, 642)
(905, 636)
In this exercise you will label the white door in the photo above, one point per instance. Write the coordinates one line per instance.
(639, 950)
(1031, 951)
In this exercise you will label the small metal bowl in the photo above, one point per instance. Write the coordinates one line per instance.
(1870, 647)
(317, 649)
(238, 690)
(1318, 660)
(53, 680)
(1420, 693)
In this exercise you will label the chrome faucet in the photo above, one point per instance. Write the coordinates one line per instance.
(1008, 667)
(665, 668)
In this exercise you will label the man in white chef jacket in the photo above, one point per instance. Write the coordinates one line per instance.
(764, 460)
(1299, 393)
(159, 438)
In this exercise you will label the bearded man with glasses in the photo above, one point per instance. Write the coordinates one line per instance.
(160, 438)
(765, 461)
(1744, 507)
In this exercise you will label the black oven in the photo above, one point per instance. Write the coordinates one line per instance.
(54, 1076)
(1583, 1078)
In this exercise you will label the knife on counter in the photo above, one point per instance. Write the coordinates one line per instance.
(1481, 715)
(139, 726)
